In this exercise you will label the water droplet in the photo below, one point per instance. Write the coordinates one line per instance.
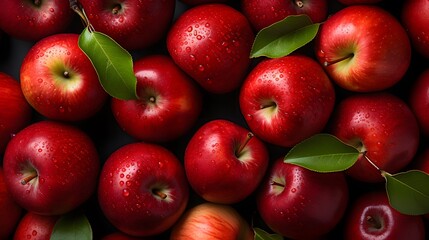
(125, 192)
(199, 37)
(200, 68)
(121, 175)
(189, 29)
(188, 49)
(293, 190)
(34, 233)
(121, 183)
(192, 57)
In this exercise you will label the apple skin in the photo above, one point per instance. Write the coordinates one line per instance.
(292, 198)
(169, 102)
(286, 100)
(380, 124)
(35, 227)
(215, 167)
(415, 18)
(211, 221)
(419, 101)
(134, 24)
(59, 81)
(63, 161)
(372, 61)
(31, 21)
(212, 43)
(372, 209)
(15, 111)
(131, 185)
(262, 13)
(10, 211)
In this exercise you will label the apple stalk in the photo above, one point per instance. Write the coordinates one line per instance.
(240, 149)
(349, 56)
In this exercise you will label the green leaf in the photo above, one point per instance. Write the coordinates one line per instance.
(323, 153)
(284, 37)
(263, 235)
(408, 192)
(114, 65)
(72, 226)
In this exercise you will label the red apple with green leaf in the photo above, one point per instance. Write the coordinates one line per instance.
(262, 13)
(15, 111)
(286, 100)
(10, 211)
(382, 126)
(299, 203)
(211, 221)
(371, 217)
(51, 168)
(36, 227)
(415, 18)
(59, 80)
(142, 189)
(35, 19)
(363, 48)
(168, 105)
(224, 162)
(212, 43)
(134, 24)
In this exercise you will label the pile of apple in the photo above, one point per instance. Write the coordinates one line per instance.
(194, 146)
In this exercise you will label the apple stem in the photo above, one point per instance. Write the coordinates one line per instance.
(242, 146)
(77, 8)
(299, 3)
(28, 178)
(159, 193)
(326, 63)
(152, 99)
(371, 162)
(66, 74)
(274, 183)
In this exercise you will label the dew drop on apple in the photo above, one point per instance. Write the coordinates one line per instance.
(293, 190)
(201, 68)
(125, 192)
(121, 183)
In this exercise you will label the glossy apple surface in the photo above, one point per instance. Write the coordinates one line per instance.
(419, 101)
(134, 24)
(372, 217)
(169, 102)
(35, 227)
(383, 126)
(51, 168)
(363, 48)
(211, 43)
(223, 163)
(415, 18)
(10, 211)
(15, 111)
(59, 81)
(262, 13)
(142, 189)
(292, 198)
(35, 19)
(286, 100)
(211, 221)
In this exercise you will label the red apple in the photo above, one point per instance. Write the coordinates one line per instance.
(59, 81)
(211, 221)
(35, 19)
(10, 211)
(212, 43)
(51, 168)
(169, 102)
(419, 101)
(421, 162)
(143, 189)
(35, 227)
(415, 18)
(15, 111)
(363, 48)
(356, 2)
(301, 204)
(286, 100)
(372, 217)
(381, 125)
(262, 13)
(134, 24)
(224, 163)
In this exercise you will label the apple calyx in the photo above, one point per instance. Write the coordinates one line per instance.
(346, 57)
(37, 3)
(29, 177)
(299, 3)
(116, 9)
(240, 149)
(375, 224)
